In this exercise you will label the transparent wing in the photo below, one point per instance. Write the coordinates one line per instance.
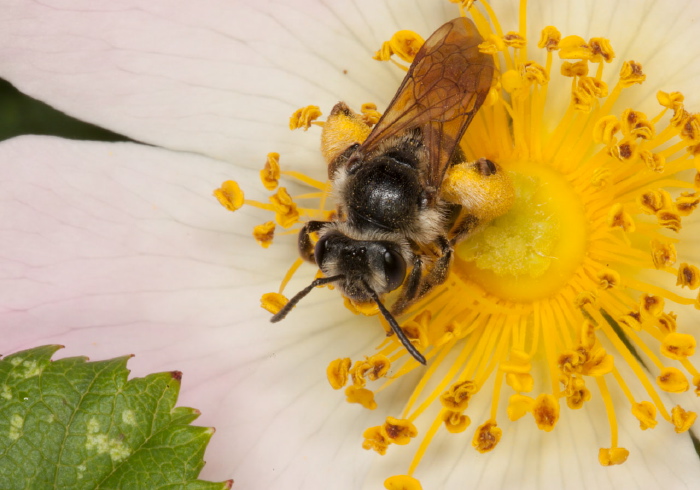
(443, 89)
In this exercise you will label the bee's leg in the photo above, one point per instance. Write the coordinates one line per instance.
(438, 273)
(419, 284)
(410, 288)
(464, 225)
(306, 245)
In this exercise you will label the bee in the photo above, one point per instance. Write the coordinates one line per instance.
(405, 192)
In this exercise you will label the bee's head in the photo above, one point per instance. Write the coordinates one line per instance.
(366, 267)
(362, 270)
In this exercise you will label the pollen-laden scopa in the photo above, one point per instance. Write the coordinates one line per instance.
(553, 291)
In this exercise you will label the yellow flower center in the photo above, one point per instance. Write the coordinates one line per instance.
(533, 250)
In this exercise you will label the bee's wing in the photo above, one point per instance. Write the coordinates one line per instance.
(444, 87)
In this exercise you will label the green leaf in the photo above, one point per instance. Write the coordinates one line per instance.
(73, 424)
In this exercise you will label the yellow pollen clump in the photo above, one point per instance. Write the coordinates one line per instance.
(535, 73)
(304, 117)
(457, 397)
(574, 48)
(688, 276)
(455, 422)
(365, 308)
(273, 302)
(514, 40)
(646, 414)
(517, 370)
(687, 202)
(546, 412)
(601, 49)
(547, 302)
(372, 368)
(493, 44)
(264, 234)
(270, 174)
(404, 44)
(375, 439)
(576, 392)
(230, 195)
(487, 437)
(370, 114)
(577, 69)
(663, 254)
(338, 372)
(605, 130)
(651, 306)
(549, 39)
(361, 396)
(654, 161)
(608, 279)
(618, 218)
(672, 380)
(678, 346)
(286, 212)
(402, 482)
(672, 100)
(519, 406)
(682, 420)
(631, 73)
(399, 431)
(612, 456)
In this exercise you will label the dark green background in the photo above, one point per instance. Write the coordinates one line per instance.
(20, 114)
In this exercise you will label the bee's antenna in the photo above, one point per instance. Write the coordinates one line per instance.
(396, 328)
(292, 302)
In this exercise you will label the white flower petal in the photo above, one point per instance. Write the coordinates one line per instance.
(215, 78)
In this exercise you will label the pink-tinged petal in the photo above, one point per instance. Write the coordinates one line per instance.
(112, 249)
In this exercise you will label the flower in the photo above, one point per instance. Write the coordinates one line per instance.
(117, 248)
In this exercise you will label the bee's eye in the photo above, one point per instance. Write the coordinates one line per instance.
(320, 250)
(394, 269)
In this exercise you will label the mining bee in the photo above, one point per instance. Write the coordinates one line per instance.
(405, 193)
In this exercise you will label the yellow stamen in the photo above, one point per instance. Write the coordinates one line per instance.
(612, 456)
(487, 436)
(362, 396)
(404, 44)
(264, 234)
(682, 420)
(230, 195)
(549, 39)
(646, 413)
(546, 412)
(678, 346)
(399, 431)
(304, 117)
(455, 422)
(338, 372)
(273, 302)
(672, 380)
(270, 174)
(286, 211)
(688, 276)
(402, 482)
